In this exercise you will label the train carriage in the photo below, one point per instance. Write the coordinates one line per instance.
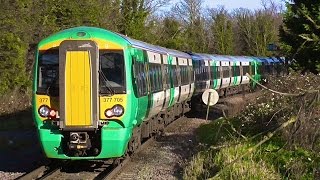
(202, 72)
(98, 93)
(215, 68)
(278, 65)
(235, 71)
(222, 76)
(246, 68)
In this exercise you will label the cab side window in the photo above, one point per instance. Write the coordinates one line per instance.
(112, 67)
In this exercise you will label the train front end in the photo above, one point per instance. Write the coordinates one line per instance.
(80, 99)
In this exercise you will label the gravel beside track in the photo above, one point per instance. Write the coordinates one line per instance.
(20, 152)
(168, 155)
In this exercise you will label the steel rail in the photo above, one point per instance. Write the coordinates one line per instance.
(40, 173)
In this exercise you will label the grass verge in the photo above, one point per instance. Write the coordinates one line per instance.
(232, 148)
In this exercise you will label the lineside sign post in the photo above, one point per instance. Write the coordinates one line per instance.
(210, 97)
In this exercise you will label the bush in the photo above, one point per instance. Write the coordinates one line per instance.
(12, 63)
(257, 144)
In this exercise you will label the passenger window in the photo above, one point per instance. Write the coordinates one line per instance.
(151, 77)
(226, 71)
(140, 78)
(218, 72)
(175, 75)
(189, 75)
(185, 75)
(246, 69)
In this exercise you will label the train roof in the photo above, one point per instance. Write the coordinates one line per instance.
(266, 59)
(154, 48)
(275, 59)
(122, 39)
(81, 32)
(143, 45)
(94, 32)
(241, 58)
(245, 59)
(217, 57)
(200, 57)
(176, 53)
(256, 58)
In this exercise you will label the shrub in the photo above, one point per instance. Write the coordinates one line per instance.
(12, 63)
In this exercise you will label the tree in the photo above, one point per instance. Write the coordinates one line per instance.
(23, 23)
(171, 35)
(14, 35)
(221, 28)
(300, 34)
(12, 67)
(188, 12)
(255, 30)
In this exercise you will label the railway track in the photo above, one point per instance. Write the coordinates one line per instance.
(109, 175)
(61, 170)
(101, 169)
(42, 172)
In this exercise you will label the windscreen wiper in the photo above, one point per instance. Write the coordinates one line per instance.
(106, 82)
(52, 85)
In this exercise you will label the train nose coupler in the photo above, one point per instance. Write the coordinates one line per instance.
(79, 140)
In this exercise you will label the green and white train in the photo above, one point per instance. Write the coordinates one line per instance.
(98, 94)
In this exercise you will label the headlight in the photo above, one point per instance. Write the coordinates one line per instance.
(44, 111)
(108, 113)
(116, 110)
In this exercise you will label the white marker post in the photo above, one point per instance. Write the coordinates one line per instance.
(210, 97)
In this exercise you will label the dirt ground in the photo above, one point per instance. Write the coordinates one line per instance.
(167, 155)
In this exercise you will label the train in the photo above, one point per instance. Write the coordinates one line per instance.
(98, 94)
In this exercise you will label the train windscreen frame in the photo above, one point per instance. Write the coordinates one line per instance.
(112, 65)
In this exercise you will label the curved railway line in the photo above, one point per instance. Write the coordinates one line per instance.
(102, 169)
(42, 172)
(109, 169)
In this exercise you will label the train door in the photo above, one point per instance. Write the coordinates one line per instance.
(191, 78)
(245, 69)
(78, 79)
(185, 87)
(207, 73)
(166, 80)
(157, 95)
(216, 74)
(176, 79)
(225, 66)
(141, 83)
